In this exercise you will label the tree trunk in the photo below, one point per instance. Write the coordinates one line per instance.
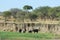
(5, 22)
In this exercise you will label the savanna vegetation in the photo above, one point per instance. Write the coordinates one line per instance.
(45, 12)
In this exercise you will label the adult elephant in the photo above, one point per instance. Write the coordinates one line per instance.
(35, 30)
(20, 30)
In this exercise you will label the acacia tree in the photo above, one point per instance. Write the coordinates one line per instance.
(26, 8)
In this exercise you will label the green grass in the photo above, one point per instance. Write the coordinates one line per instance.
(15, 35)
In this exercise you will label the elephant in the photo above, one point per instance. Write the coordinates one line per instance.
(24, 30)
(20, 30)
(30, 31)
(35, 30)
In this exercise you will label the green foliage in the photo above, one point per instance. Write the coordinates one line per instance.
(27, 7)
(44, 12)
(48, 12)
(21, 15)
(33, 16)
(14, 11)
(6, 13)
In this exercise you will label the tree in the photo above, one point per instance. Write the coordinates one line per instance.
(21, 15)
(15, 14)
(27, 7)
(42, 11)
(55, 12)
(14, 11)
(33, 16)
(6, 14)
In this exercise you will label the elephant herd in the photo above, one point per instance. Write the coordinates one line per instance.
(30, 31)
(24, 30)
